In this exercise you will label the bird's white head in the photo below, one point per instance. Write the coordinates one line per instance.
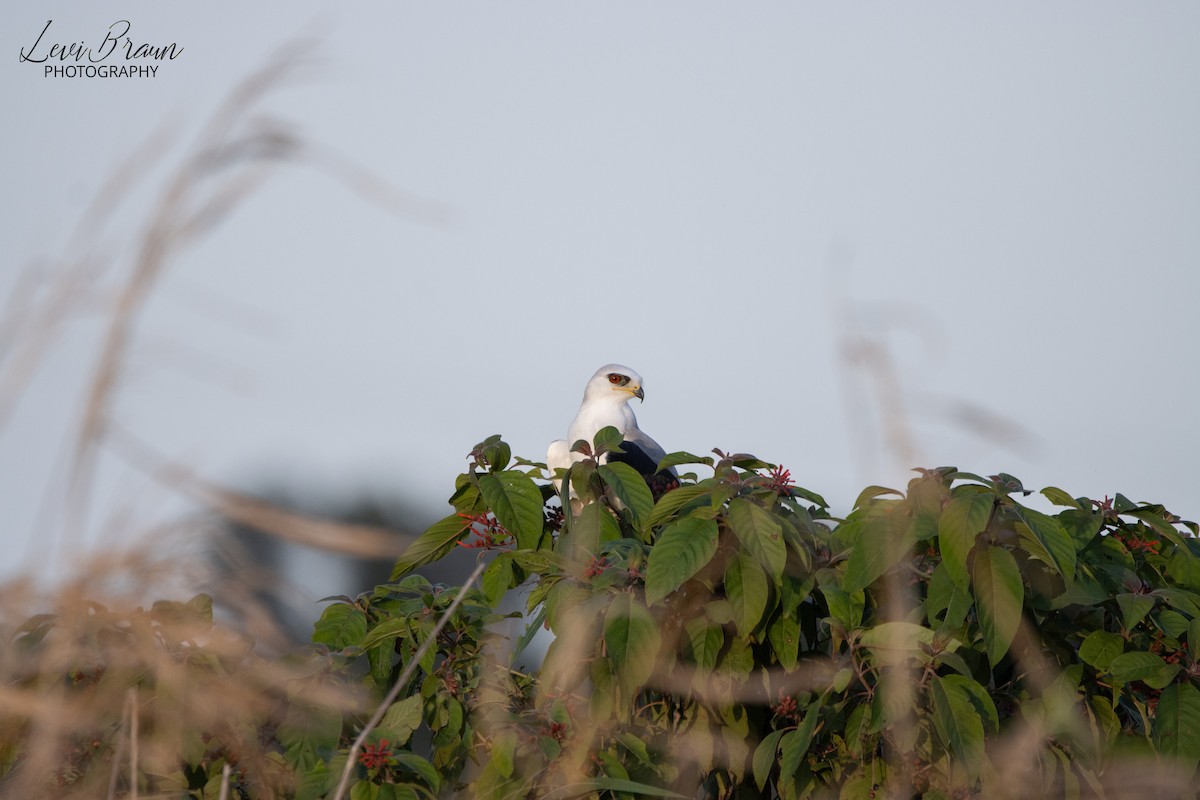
(614, 383)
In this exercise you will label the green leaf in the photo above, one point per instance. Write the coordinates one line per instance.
(871, 492)
(1182, 599)
(503, 746)
(426, 771)
(317, 781)
(810, 496)
(681, 457)
(794, 745)
(632, 639)
(402, 718)
(636, 747)
(588, 530)
(1082, 525)
(550, 747)
(896, 637)
(340, 626)
(1165, 529)
(1134, 608)
(999, 595)
(466, 499)
(845, 607)
(517, 503)
(202, 606)
(760, 534)
(784, 636)
(1172, 623)
(1185, 569)
(883, 539)
(719, 611)
(925, 527)
(958, 723)
(605, 784)
(866, 779)
(747, 588)
(683, 549)
(307, 732)
(963, 519)
(980, 697)
(1084, 590)
(539, 562)
(431, 545)
(584, 481)
(1054, 545)
(1136, 666)
(604, 689)
(497, 578)
(1007, 484)
(1100, 648)
(672, 501)
(1177, 723)
(927, 493)
(607, 440)
(495, 452)
(388, 629)
(1059, 497)
(705, 642)
(764, 757)
(630, 488)
(1105, 723)
(1193, 640)
(794, 592)
(944, 595)
(738, 659)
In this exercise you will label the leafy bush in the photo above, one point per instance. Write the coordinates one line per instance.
(732, 639)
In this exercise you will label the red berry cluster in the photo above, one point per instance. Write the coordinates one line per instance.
(558, 731)
(489, 533)
(376, 755)
(787, 708)
(1137, 544)
(781, 481)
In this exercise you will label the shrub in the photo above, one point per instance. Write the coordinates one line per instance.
(946, 641)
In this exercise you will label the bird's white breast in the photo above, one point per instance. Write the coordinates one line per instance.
(594, 416)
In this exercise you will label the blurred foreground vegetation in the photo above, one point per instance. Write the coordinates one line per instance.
(728, 639)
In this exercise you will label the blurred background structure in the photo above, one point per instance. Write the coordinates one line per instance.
(848, 240)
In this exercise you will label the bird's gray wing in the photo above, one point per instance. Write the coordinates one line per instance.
(649, 449)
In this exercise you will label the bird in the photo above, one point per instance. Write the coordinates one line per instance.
(606, 402)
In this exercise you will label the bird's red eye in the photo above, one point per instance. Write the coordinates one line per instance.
(614, 377)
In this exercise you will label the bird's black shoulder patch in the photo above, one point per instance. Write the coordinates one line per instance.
(659, 481)
(635, 457)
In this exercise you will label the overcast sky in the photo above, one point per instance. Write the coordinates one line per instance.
(1005, 199)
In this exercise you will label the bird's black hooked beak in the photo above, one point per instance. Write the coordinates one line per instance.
(639, 394)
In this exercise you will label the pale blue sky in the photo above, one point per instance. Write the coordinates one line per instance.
(696, 190)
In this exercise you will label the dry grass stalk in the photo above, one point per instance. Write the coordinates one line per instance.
(363, 541)
(71, 722)
(70, 704)
(229, 160)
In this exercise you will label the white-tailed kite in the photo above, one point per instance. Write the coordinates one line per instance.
(606, 402)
